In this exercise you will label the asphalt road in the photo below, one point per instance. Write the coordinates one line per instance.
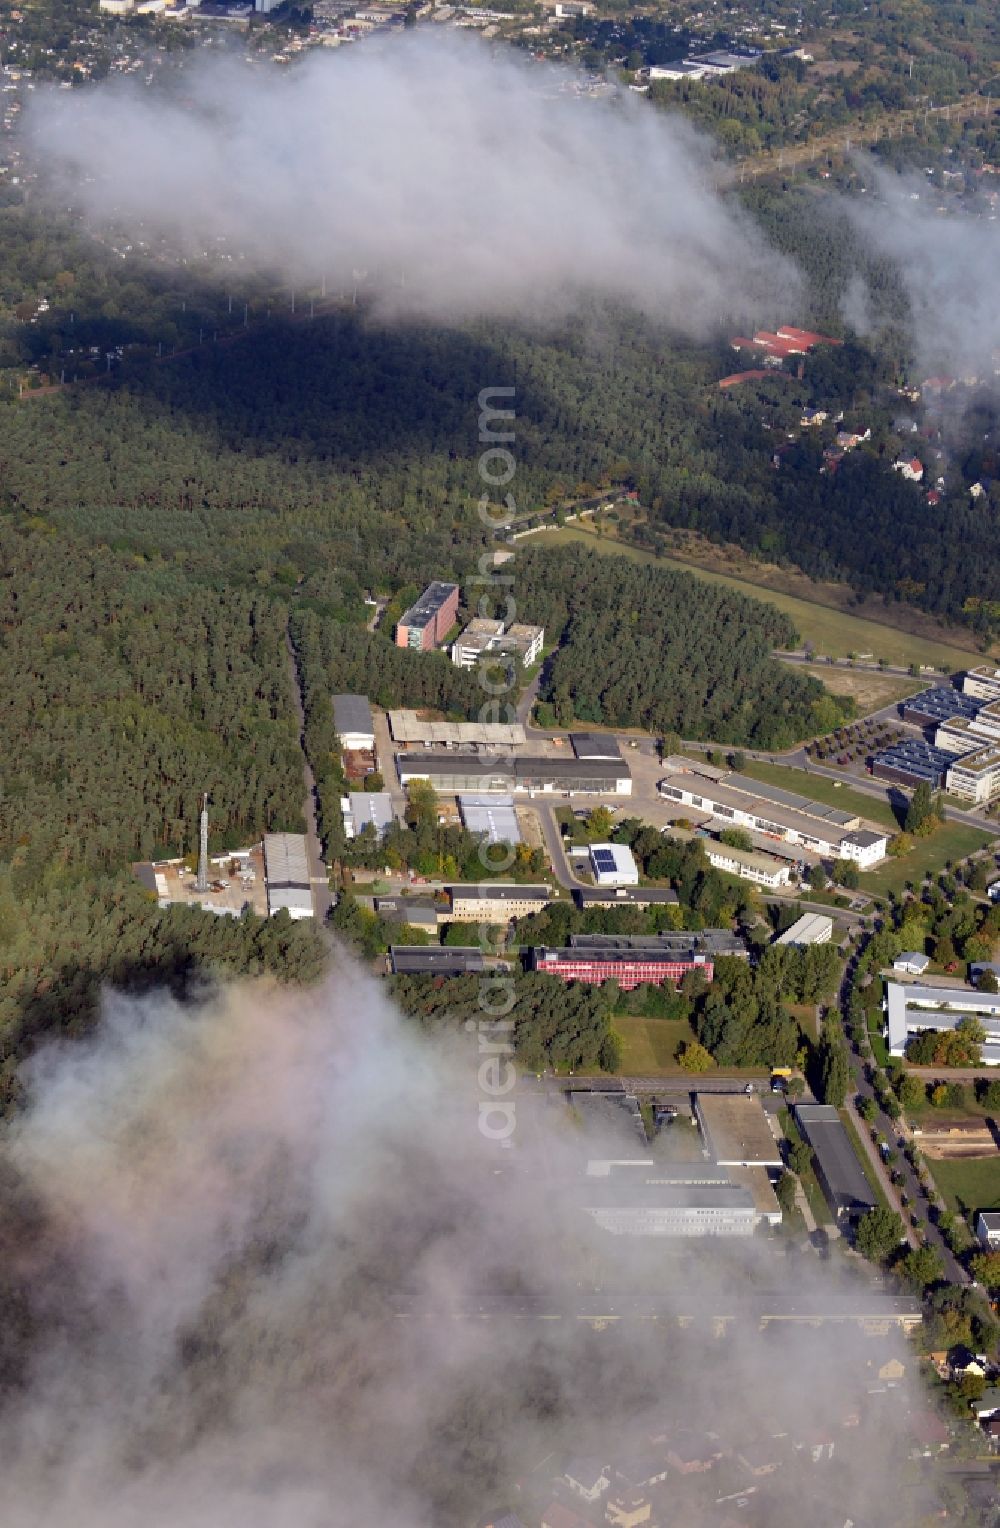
(891, 1132)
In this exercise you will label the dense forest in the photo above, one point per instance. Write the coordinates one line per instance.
(59, 953)
(646, 646)
(123, 702)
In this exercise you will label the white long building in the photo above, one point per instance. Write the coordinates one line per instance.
(912, 1008)
(736, 799)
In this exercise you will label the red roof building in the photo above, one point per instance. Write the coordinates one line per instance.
(746, 376)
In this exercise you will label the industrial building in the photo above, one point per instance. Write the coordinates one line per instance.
(776, 813)
(595, 745)
(632, 960)
(492, 816)
(911, 1008)
(735, 1130)
(418, 912)
(912, 762)
(458, 773)
(352, 722)
(647, 1198)
(434, 960)
(411, 727)
(286, 872)
(363, 809)
(811, 928)
(840, 1174)
(429, 620)
(613, 865)
(496, 901)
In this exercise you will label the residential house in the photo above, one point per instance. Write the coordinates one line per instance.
(911, 467)
(988, 1228)
(588, 1478)
(988, 1404)
(693, 1453)
(629, 1510)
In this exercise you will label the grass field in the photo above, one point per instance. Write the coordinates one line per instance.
(969, 1186)
(869, 691)
(833, 633)
(952, 841)
(648, 1045)
(821, 789)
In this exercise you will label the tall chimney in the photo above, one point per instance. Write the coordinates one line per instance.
(201, 884)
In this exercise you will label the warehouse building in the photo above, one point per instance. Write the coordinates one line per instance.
(496, 901)
(912, 1008)
(434, 960)
(410, 727)
(642, 1198)
(458, 773)
(777, 813)
(286, 873)
(492, 816)
(353, 724)
(595, 745)
(613, 865)
(841, 1176)
(429, 620)
(363, 809)
(735, 1130)
(417, 912)
(811, 928)
(912, 762)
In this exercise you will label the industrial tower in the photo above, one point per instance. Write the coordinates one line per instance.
(201, 884)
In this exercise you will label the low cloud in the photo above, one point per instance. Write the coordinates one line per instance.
(443, 178)
(244, 1245)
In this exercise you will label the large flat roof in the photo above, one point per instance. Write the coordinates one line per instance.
(520, 768)
(352, 713)
(492, 815)
(409, 726)
(424, 609)
(502, 891)
(418, 960)
(285, 860)
(736, 1130)
(764, 807)
(844, 1177)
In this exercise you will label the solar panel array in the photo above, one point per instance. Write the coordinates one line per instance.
(603, 860)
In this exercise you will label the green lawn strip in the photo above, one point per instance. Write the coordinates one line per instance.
(819, 788)
(951, 841)
(866, 1166)
(810, 1183)
(833, 633)
(876, 1036)
(969, 1185)
(649, 1045)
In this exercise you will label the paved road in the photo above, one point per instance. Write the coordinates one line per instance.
(318, 875)
(891, 1132)
(920, 681)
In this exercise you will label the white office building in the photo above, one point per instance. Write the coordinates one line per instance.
(613, 865)
(912, 1008)
(811, 928)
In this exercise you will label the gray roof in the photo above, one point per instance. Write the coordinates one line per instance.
(501, 891)
(595, 745)
(416, 960)
(285, 861)
(623, 896)
(352, 713)
(515, 770)
(708, 941)
(374, 807)
(840, 1172)
(418, 911)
